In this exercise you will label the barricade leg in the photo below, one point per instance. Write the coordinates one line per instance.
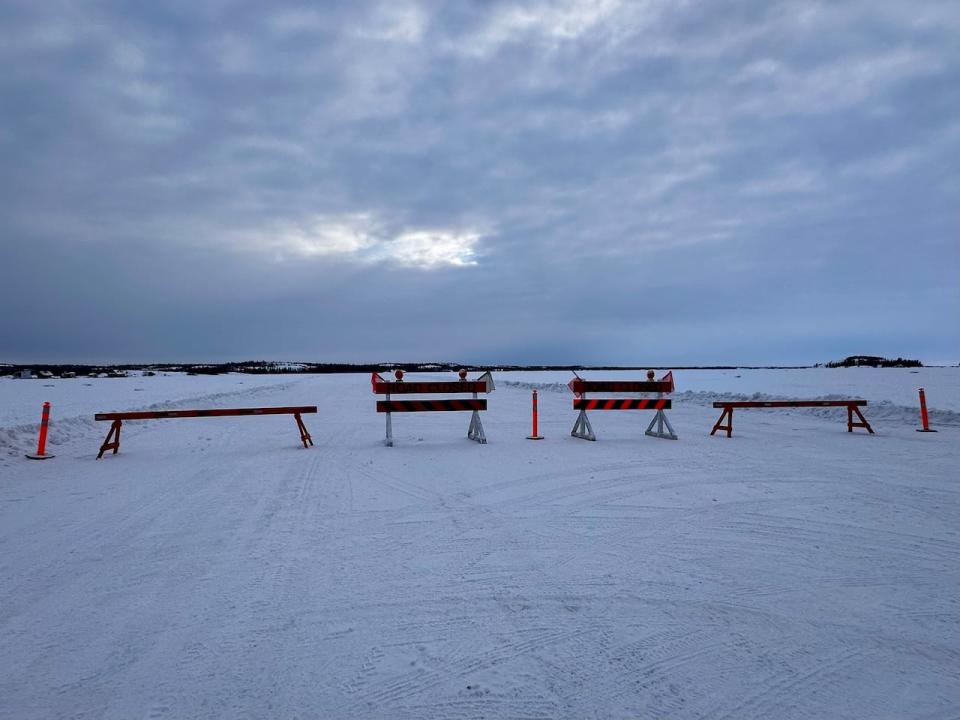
(851, 409)
(475, 431)
(389, 441)
(661, 421)
(727, 413)
(582, 428)
(304, 435)
(114, 433)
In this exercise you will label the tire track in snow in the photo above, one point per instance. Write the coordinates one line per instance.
(772, 699)
(419, 681)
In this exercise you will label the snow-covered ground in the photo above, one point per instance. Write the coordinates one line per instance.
(215, 568)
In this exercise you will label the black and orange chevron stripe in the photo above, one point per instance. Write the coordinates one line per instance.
(429, 405)
(411, 388)
(580, 386)
(623, 404)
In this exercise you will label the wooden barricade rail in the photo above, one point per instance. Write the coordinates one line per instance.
(852, 406)
(483, 384)
(580, 387)
(112, 441)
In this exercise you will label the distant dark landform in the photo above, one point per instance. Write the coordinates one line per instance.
(263, 367)
(873, 361)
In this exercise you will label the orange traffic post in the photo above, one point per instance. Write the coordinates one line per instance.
(534, 435)
(924, 418)
(42, 440)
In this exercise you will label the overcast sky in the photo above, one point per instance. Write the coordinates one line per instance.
(639, 182)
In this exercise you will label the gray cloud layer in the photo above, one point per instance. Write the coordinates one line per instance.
(577, 181)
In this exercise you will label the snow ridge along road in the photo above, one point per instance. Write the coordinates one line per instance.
(216, 569)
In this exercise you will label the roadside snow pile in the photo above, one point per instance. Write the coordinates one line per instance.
(208, 400)
(884, 410)
(881, 410)
(557, 387)
(18, 439)
(110, 395)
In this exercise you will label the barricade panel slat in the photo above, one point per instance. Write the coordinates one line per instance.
(384, 406)
(580, 386)
(215, 412)
(622, 404)
(410, 388)
(787, 403)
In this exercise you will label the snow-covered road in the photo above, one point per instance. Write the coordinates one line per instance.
(215, 568)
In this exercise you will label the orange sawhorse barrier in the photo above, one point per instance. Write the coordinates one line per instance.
(112, 441)
(852, 406)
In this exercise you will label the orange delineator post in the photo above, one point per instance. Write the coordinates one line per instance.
(924, 418)
(42, 440)
(534, 435)
(44, 424)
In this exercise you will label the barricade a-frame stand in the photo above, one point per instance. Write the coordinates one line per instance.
(664, 430)
(475, 431)
(661, 421)
(389, 439)
(582, 428)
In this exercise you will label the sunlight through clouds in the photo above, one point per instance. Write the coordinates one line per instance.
(362, 238)
(430, 248)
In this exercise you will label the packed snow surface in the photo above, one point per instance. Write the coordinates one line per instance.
(215, 568)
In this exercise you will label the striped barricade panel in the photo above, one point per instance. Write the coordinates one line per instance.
(622, 404)
(580, 386)
(424, 388)
(384, 406)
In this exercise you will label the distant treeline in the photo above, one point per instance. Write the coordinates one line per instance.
(873, 361)
(260, 367)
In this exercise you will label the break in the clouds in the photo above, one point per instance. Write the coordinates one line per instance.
(642, 182)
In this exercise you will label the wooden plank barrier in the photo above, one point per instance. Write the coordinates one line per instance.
(852, 406)
(112, 441)
(483, 384)
(580, 387)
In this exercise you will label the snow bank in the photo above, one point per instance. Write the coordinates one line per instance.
(885, 410)
(75, 401)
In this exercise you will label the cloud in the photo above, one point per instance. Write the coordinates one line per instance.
(431, 248)
(830, 86)
(362, 238)
(573, 166)
(548, 22)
